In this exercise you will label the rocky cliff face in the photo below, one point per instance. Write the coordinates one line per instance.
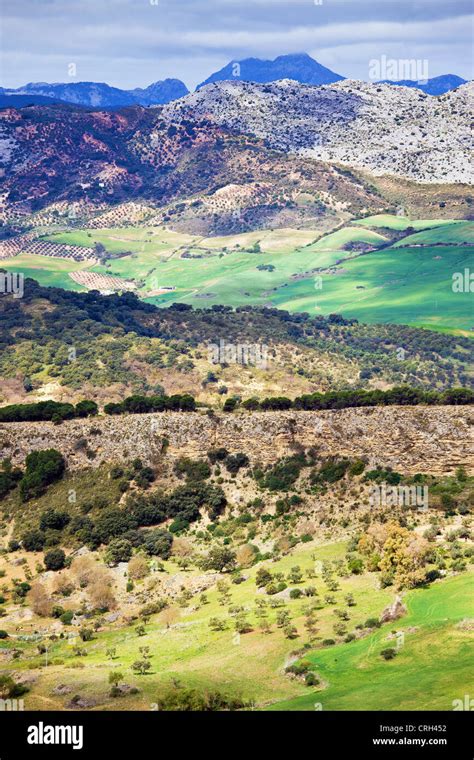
(433, 440)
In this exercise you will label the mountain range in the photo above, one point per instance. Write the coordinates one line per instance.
(374, 127)
(435, 86)
(94, 94)
(297, 67)
(235, 156)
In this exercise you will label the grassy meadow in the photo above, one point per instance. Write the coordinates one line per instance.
(358, 270)
(433, 667)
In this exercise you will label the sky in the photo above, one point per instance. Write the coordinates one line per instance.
(132, 43)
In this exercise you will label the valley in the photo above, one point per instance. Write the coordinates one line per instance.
(375, 269)
(236, 406)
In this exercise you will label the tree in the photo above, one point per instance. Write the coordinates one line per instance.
(263, 577)
(158, 543)
(246, 555)
(42, 468)
(283, 618)
(265, 626)
(52, 519)
(220, 558)
(241, 624)
(33, 540)
(141, 666)
(86, 408)
(138, 568)
(40, 601)
(295, 575)
(115, 677)
(54, 559)
(119, 550)
(217, 624)
(169, 616)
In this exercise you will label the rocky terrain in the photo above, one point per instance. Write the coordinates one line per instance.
(377, 127)
(435, 440)
(238, 156)
(91, 158)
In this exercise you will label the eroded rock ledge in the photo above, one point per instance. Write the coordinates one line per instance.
(433, 440)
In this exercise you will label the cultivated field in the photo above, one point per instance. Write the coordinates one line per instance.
(375, 269)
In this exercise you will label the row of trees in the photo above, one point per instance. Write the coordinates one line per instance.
(143, 404)
(44, 411)
(402, 395)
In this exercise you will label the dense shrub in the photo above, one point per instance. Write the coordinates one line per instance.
(118, 550)
(53, 519)
(33, 540)
(9, 477)
(217, 455)
(283, 474)
(158, 543)
(330, 472)
(234, 462)
(112, 523)
(42, 468)
(192, 469)
(54, 559)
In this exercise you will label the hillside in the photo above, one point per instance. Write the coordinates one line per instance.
(126, 579)
(123, 344)
(380, 128)
(193, 173)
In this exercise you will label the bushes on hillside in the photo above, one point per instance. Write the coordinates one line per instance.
(54, 559)
(283, 474)
(9, 477)
(42, 468)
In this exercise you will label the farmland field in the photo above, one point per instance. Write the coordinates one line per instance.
(353, 675)
(402, 222)
(356, 270)
(433, 668)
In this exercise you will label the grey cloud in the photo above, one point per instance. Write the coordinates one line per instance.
(131, 42)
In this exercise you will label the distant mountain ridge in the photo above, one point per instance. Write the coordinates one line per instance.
(435, 86)
(300, 67)
(102, 95)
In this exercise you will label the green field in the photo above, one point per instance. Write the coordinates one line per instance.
(401, 222)
(459, 232)
(46, 270)
(336, 241)
(408, 282)
(409, 286)
(434, 666)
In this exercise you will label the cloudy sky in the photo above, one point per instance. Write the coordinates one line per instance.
(130, 43)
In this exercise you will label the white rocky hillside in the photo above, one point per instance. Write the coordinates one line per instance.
(381, 128)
